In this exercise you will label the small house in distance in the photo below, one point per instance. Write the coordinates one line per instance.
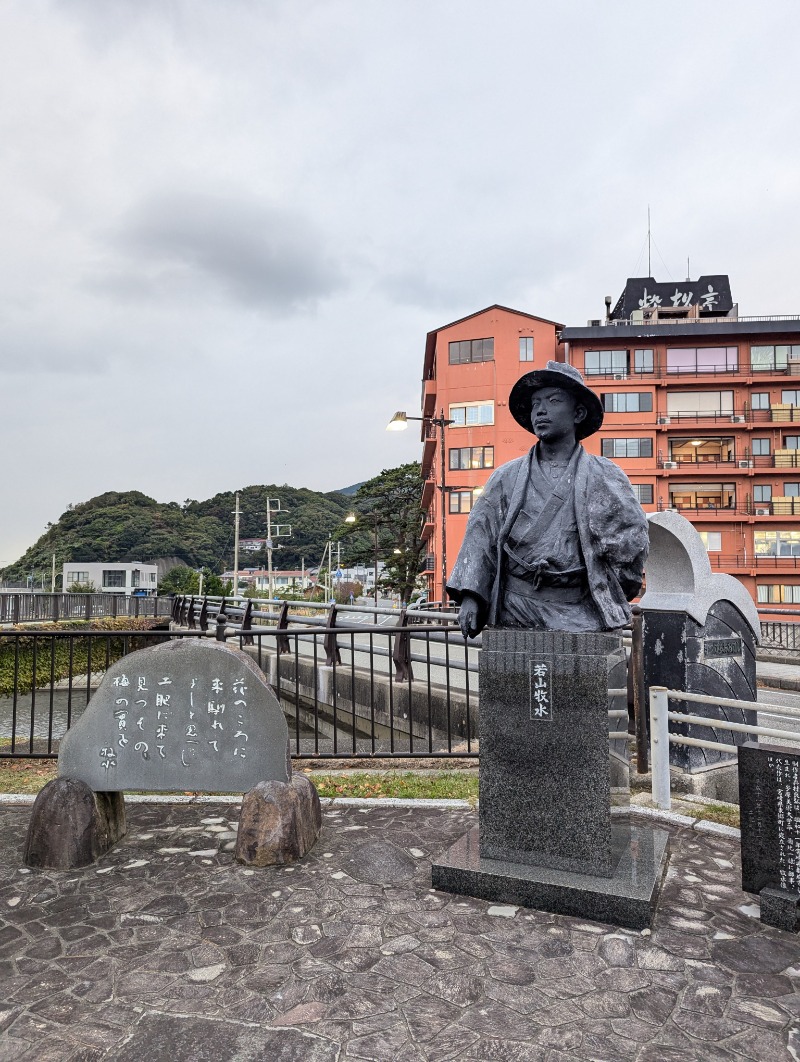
(124, 577)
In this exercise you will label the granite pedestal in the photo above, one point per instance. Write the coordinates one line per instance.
(554, 831)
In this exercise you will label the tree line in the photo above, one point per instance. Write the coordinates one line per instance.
(130, 526)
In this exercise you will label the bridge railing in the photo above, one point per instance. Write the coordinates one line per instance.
(50, 608)
(355, 691)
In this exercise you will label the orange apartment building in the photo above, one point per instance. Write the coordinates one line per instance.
(702, 412)
(470, 367)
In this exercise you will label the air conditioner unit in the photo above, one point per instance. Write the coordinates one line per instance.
(762, 512)
(594, 322)
(664, 420)
(620, 376)
(637, 317)
(671, 464)
(738, 420)
(745, 464)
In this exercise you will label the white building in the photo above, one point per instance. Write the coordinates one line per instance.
(126, 577)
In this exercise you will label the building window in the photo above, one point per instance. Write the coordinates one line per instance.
(712, 540)
(605, 363)
(113, 577)
(467, 350)
(762, 492)
(791, 490)
(791, 442)
(769, 358)
(643, 361)
(699, 403)
(461, 501)
(77, 577)
(789, 398)
(631, 402)
(776, 543)
(760, 447)
(466, 457)
(760, 400)
(470, 414)
(702, 359)
(773, 594)
(627, 448)
(526, 348)
(643, 492)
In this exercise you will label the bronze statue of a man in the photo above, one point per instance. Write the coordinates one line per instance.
(557, 539)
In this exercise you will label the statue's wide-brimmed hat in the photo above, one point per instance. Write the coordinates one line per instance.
(555, 374)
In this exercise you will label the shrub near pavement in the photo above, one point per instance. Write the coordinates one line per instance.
(55, 658)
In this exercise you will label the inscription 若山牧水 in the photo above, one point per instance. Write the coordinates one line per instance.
(541, 688)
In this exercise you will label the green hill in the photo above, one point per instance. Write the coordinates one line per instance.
(128, 526)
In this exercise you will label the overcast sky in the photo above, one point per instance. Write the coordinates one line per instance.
(228, 226)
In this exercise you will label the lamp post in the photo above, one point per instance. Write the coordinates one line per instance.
(399, 422)
(351, 518)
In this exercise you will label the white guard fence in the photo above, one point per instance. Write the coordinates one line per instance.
(661, 738)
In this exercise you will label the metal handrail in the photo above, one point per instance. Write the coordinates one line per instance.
(661, 738)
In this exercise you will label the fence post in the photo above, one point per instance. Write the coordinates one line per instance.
(659, 746)
(88, 606)
(637, 681)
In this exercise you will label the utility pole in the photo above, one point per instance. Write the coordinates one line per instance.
(237, 513)
(53, 576)
(269, 549)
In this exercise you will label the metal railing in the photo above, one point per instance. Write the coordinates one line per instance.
(661, 736)
(352, 682)
(50, 608)
(48, 677)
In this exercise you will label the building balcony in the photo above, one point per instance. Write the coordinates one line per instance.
(670, 421)
(779, 508)
(758, 562)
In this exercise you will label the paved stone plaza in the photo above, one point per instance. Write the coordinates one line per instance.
(168, 950)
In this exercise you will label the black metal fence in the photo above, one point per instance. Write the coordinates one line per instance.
(32, 608)
(364, 690)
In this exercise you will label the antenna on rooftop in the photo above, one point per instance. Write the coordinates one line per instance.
(649, 269)
(688, 271)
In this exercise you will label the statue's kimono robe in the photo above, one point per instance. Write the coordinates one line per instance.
(565, 555)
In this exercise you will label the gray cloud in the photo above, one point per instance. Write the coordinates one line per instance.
(171, 244)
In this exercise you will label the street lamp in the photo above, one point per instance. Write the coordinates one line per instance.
(351, 518)
(399, 422)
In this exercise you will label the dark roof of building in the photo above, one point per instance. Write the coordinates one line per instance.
(666, 330)
(430, 342)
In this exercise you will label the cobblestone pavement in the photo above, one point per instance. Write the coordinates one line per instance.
(168, 950)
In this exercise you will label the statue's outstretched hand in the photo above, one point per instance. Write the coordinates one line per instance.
(469, 616)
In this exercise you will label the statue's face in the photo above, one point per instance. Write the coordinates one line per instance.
(555, 414)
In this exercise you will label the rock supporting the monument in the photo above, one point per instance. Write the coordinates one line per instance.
(279, 823)
(72, 826)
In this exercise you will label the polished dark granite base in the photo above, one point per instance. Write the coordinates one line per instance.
(628, 898)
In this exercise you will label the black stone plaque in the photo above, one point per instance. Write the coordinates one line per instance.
(769, 800)
(717, 659)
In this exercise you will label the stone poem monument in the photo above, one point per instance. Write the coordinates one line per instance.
(553, 552)
(185, 715)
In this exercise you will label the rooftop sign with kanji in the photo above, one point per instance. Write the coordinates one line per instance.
(711, 295)
(186, 715)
